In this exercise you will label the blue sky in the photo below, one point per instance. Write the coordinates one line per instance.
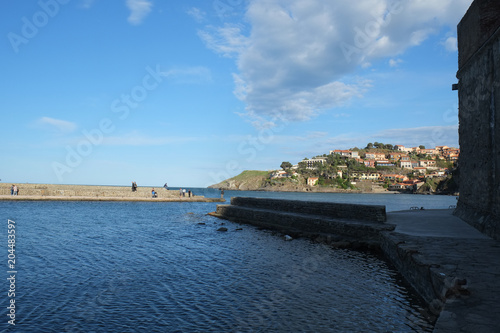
(193, 92)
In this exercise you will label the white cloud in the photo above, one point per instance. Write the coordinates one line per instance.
(62, 126)
(139, 9)
(294, 55)
(227, 40)
(451, 44)
(197, 14)
(395, 62)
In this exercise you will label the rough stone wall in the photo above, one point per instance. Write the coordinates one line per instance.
(371, 213)
(479, 102)
(86, 191)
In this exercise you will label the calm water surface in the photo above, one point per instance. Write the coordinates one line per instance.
(163, 267)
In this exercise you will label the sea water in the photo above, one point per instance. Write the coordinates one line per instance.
(164, 267)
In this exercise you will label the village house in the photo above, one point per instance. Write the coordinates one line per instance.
(427, 163)
(341, 169)
(312, 181)
(402, 148)
(429, 152)
(397, 187)
(376, 156)
(282, 174)
(385, 163)
(366, 175)
(421, 170)
(311, 164)
(397, 156)
(406, 164)
(394, 177)
(441, 149)
(346, 153)
(369, 163)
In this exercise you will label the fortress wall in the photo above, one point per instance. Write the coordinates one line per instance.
(479, 102)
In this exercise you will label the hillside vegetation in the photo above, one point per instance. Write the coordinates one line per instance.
(248, 180)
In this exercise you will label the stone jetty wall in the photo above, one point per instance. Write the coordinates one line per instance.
(326, 209)
(88, 191)
(479, 116)
(84, 191)
(343, 221)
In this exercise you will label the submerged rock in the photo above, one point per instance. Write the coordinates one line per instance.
(222, 229)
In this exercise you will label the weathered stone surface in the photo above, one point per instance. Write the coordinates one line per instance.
(308, 218)
(479, 116)
(53, 192)
(327, 209)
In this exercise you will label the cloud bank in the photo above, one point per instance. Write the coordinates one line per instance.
(293, 57)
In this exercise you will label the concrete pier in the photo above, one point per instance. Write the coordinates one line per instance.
(450, 264)
(53, 192)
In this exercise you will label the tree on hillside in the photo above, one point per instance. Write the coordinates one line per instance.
(369, 145)
(286, 165)
(421, 147)
(389, 146)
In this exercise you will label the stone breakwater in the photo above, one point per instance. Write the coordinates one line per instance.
(53, 192)
(449, 263)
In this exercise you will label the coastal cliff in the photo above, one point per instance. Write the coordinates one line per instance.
(248, 180)
(253, 180)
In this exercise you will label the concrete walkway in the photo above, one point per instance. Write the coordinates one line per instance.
(466, 262)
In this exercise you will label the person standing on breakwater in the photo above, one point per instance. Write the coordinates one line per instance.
(12, 190)
(165, 186)
(134, 186)
(153, 193)
(180, 192)
(16, 190)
